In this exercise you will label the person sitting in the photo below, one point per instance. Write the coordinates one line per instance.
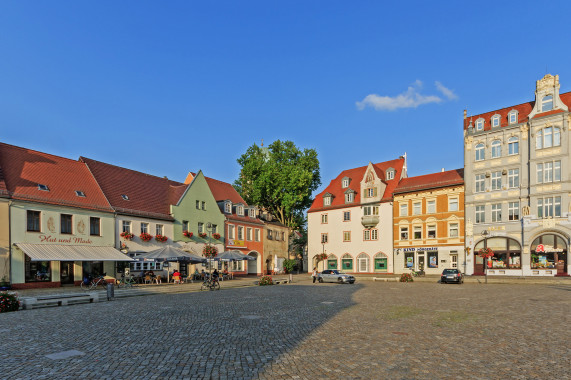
(158, 280)
(215, 275)
(203, 275)
(176, 277)
(196, 275)
(225, 273)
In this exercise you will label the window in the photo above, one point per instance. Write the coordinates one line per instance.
(432, 259)
(548, 207)
(513, 210)
(371, 192)
(480, 152)
(240, 210)
(228, 207)
(252, 212)
(203, 205)
(404, 233)
(200, 227)
(390, 174)
(94, 226)
(497, 180)
(507, 252)
(366, 234)
(231, 232)
(513, 146)
(257, 234)
(324, 238)
(37, 271)
(80, 193)
(430, 207)
(33, 221)
(549, 172)
(126, 226)
(323, 218)
(453, 230)
(346, 216)
(495, 121)
(241, 232)
(159, 230)
(270, 235)
(547, 103)
(185, 225)
(370, 210)
(453, 204)
(327, 201)
(548, 137)
(346, 236)
(347, 262)
(66, 223)
(417, 232)
(497, 212)
(513, 178)
(198, 205)
(479, 124)
(349, 197)
(431, 231)
(403, 209)
(547, 250)
(480, 214)
(345, 183)
(496, 149)
(374, 234)
(513, 117)
(249, 234)
(43, 187)
(480, 183)
(417, 208)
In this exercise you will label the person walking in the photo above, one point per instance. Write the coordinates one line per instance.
(314, 274)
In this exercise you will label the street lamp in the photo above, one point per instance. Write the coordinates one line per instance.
(485, 234)
(209, 228)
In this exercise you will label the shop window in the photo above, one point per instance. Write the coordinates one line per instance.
(548, 250)
(332, 262)
(432, 259)
(33, 221)
(94, 226)
(347, 262)
(37, 271)
(381, 263)
(409, 260)
(507, 253)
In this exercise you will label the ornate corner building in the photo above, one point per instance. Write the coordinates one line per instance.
(517, 186)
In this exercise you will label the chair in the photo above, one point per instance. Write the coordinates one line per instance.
(158, 279)
(176, 280)
(148, 279)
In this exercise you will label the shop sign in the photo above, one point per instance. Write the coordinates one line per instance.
(547, 248)
(70, 240)
(420, 249)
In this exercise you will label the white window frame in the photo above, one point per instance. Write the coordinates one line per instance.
(548, 137)
(257, 234)
(126, 226)
(327, 200)
(513, 178)
(416, 208)
(231, 231)
(549, 207)
(479, 152)
(240, 210)
(160, 230)
(228, 207)
(416, 229)
(249, 233)
(144, 227)
(430, 206)
(346, 216)
(495, 121)
(345, 183)
(324, 238)
(431, 228)
(200, 227)
(512, 117)
(349, 197)
(403, 207)
(545, 102)
(513, 210)
(480, 214)
(496, 212)
(324, 218)
(453, 204)
(480, 183)
(513, 146)
(390, 174)
(496, 149)
(496, 180)
(404, 230)
(480, 124)
(240, 233)
(454, 230)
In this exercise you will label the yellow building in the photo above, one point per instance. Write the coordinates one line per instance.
(429, 222)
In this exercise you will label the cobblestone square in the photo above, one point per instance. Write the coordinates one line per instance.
(368, 330)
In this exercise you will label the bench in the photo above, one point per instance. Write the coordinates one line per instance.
(29, 303)
(385, 279)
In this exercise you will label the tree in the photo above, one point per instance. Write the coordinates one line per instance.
(280, 179)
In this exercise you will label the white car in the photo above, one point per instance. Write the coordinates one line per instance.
(333, 275)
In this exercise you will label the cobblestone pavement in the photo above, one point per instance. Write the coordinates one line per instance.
(369, 330)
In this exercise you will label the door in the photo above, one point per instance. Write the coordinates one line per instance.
(478, 265)
(454, 261)
(421, 262)
(363, 267)
(66, 268)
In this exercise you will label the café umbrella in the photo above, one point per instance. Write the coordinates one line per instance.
(233, 256)
(170, 254)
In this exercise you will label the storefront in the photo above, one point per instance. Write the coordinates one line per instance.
(506, 258)
(549, 255)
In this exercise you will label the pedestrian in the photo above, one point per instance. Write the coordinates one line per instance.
(314, 274)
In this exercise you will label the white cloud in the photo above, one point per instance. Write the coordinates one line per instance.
(445, 91)
(411, 98)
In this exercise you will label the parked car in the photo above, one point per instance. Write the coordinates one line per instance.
(451, 275)
(333, 275)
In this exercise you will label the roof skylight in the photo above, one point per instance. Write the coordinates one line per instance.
(125, 197)
(43, 187)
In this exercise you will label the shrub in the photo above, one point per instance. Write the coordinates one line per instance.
(266, 280)
(406, 277)
(9, 302)
(289, 265)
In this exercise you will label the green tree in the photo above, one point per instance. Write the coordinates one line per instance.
(280, 179)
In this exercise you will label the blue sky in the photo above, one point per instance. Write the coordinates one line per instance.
(169, 87)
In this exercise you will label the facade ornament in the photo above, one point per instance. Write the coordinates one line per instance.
(524, 129)
(81, 227)
(51, 225)
(525, 211)
(468, 142)
(547, 82)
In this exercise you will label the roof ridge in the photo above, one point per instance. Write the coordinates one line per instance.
(37, 151)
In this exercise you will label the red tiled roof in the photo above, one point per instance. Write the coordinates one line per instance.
(523, 109)
(23, 169)
(431, 181)
(3, 188)
(356, 176)
(243, 219)
(224, 191)
(149, 196)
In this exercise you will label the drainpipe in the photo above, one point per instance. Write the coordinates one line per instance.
(10, 241)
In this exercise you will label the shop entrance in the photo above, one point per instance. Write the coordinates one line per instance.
(66, 268)
(549, 251)
(420, 261)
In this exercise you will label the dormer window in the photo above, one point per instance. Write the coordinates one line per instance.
(390, 174)
(345, 182)
(495, 121)
(125, 197)
(512, 118)
(349, 196)
(547, 103)
(252, 212)
(240, 210)
(327, 200)
(228, 207)
(80, 193)
(480, 124)
(43, 187)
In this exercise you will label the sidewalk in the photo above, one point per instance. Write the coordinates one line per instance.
(473, 279)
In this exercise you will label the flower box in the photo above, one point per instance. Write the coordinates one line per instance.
(145, 236)
(216, 235)
(186, 233)
(127, 235)
(161, 238)
(202, 234)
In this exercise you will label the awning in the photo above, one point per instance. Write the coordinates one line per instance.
(56, 252)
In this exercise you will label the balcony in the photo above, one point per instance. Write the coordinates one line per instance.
(369, 221)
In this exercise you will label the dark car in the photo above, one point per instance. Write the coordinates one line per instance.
(333, 275)
(451, 275)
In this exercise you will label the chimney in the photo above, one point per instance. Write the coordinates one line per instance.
(442, 170)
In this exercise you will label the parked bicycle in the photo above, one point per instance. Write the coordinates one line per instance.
(126, 282)
(210, 284)
(90, 284)
(417, 273)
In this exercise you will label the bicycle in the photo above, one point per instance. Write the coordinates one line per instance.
(210, 284)
(417, 273)
(94, 283)
(126, 282)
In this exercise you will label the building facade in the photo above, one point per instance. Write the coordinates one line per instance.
(351, 221)
(275, 244)
(517, 185)
(4, 231)
(429, 222)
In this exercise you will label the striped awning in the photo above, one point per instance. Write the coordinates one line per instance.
(56, 252)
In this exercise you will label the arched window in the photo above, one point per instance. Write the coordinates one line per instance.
(480, 152)
(381, 262)
(547, 250)
(496, 149)
(347, 262)
(507, 253)
(548, 137)
(363, 261)
(513, 145)
(332, 262)
(547, 103)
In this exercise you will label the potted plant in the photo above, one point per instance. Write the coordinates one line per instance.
(145, 236)
(9, 302)
(209, 251)
(161, 238)
(187, 233)
(216, 235)
(265, 280)
(126, 235)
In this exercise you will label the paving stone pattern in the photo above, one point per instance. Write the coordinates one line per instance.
(369, 330)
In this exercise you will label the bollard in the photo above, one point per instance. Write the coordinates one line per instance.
(110, 291)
